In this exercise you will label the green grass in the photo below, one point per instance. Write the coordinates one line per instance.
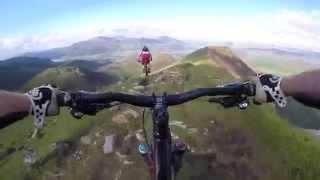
(129, 67)
(15, 72)
(71, 78)
(269, 147)
(225, 51)
(200, 54)
(63, 127)
(288, 153)
(300, 115)
(64, 77)
(280, 150)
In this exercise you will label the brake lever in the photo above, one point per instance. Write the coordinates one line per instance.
(231, 101)
(91, 109)
(224, 101)
(243, 105)
(79, 112)
(246, 88)
(76, 114)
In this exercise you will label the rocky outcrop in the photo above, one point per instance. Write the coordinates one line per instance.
(108, 146)
(86, 140)
(120, 119)
(170, 77)
(125, 116)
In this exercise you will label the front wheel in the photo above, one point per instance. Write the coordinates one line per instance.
(146, 70)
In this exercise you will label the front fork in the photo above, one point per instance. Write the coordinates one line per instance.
(178, 150)
(163, 158)
(146, 67)
(145, 150)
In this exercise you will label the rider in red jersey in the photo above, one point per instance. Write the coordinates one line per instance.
(145, 57)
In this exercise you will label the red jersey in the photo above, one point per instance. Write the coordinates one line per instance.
(145, 57)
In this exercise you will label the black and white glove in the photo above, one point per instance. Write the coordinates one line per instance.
(43, 103)
(268, 90)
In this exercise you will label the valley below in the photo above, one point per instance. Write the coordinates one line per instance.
(259, 143)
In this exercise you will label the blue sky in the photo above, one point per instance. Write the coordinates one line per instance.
(59, 22)
(23, 17)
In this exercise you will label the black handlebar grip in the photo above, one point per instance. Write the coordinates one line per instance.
(249, 89)
(62, 99)
(83, 98)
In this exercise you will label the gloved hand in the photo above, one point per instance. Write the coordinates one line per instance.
(268, 90)
(43, 103)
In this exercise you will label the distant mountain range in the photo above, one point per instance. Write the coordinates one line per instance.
(109, 47)
(286, 51)
(279, 60)
(307, 55)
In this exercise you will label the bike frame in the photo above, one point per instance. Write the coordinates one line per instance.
(162, 142)
(145, 69)
(164, 165)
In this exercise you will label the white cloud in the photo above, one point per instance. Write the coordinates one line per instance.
(19, 45)
(298, 29)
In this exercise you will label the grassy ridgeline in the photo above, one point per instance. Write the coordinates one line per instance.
(226, 143)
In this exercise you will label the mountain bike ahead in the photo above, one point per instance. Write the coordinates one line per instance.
(146, 69)
(163, 156)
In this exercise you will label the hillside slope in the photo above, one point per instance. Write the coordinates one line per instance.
(223, 57)
(286, 62)
(128, 66)
(227, 143)
(254, 144)
(71, 78)
(226, 58)
(295, 112)
(26, 72)
(15, 72)
(300, 115)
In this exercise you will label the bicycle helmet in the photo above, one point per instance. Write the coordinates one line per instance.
(145, 48)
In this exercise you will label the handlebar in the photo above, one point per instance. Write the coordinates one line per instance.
(82, 101)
